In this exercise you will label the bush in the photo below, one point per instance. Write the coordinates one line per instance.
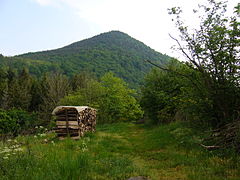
(180, 90)
(7, 123)
(15, 121)
(24, 119)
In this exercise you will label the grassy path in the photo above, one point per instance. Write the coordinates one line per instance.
(169, 152)
(118, 151)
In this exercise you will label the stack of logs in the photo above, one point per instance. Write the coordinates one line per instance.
(75, 121)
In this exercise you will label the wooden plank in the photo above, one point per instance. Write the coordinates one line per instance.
(64, 130)
(72, 112)
(68, 127)
(69, 115)
(64, 123)
(66, 134)
(75, 137)
(65, 118)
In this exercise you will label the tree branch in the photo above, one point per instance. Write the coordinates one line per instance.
(189, 58)
(172, 71)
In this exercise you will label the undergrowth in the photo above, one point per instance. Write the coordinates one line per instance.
(118, 151)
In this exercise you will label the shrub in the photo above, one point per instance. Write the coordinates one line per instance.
(15, 121)
(24, 119)
(7, 123)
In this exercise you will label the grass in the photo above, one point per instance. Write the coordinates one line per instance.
(118, 151)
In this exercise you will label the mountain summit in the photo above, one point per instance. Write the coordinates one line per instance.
(112, 51)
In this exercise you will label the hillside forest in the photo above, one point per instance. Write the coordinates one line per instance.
(157, 117)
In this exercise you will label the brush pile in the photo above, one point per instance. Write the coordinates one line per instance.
(227, 136)
(74, 121)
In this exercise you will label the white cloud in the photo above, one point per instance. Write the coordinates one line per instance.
(146, 20)
(45, 2)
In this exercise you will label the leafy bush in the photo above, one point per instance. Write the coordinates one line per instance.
(24, 119)
(180, 90)
(7, 123)
(160, 95)
(15, 121)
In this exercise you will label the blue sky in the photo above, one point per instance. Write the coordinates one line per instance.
(27, 26)
(35, 25)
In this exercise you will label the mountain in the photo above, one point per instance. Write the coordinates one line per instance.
(112, 51)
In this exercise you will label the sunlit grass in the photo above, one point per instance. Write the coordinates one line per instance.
(119, 151)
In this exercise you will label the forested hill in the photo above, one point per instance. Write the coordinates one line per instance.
(112, 51)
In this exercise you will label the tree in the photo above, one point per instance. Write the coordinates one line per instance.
(118, 103)
(53, 88)
(19, 88)
(111, 97)
(88, 95)
(3, 88)
(213, 50)
(80, 80)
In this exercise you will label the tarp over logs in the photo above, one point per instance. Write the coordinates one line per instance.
(74, 121)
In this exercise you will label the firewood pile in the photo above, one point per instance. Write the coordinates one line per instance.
(224, 137)
(74, 121)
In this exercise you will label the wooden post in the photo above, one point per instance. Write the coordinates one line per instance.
(79, 129)
(67, 124)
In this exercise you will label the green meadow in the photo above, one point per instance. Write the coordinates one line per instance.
(117, 151)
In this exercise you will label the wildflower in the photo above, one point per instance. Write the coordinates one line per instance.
(18, 149)
(35, 136)
(6, 150)
(15, 146)
(42, 135)
(9, 140)
(36, 127)
(40, 127)
(5, 157)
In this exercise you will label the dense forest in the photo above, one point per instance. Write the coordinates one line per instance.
(112, 51)
(153, 111)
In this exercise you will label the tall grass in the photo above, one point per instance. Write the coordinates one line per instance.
(118, 151)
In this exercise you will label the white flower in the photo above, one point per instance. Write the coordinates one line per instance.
(6, 150)
(40, 127)
(18, 149)
(42, 135)
(5, 157)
